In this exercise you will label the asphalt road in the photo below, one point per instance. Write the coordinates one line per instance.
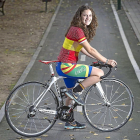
(109, 43)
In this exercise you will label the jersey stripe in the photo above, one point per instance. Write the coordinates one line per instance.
(70, 69)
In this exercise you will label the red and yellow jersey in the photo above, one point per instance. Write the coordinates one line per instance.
(71, 46)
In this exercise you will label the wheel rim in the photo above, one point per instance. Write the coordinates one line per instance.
(114, 114)
(20, 114)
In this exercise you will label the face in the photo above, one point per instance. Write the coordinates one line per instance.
(86, 17)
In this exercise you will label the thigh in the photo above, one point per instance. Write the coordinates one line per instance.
(78, 71)
(96, 72)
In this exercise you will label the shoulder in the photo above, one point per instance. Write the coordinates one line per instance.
(76, 31)
(76, 28)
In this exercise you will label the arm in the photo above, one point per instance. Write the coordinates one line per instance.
(86, 53)
(94, 53)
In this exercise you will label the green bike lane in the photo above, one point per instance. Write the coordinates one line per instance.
(109, 43)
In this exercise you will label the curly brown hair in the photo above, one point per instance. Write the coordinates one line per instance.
(89, 30)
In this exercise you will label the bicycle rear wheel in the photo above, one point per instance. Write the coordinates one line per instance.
(112, 116)
(20, 113)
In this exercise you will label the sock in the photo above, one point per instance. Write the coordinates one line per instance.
(78, 88)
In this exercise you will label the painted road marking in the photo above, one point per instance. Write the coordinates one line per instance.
(83, 57)
(79, 108)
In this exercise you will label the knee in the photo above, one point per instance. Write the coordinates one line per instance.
(100, 73)
(97, 72)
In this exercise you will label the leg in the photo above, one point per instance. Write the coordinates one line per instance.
(93, 78)
(68, 101)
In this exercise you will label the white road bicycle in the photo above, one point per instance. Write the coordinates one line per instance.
(32, 108)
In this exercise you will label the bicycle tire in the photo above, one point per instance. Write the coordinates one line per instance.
(110, 117)
(19, 104)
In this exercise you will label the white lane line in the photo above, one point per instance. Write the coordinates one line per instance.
(126, 44)
(83, 57)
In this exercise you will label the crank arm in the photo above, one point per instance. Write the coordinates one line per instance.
(47, 111)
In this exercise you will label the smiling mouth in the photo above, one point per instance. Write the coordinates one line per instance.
(87, 21)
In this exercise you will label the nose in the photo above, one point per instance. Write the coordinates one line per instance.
(87, 17)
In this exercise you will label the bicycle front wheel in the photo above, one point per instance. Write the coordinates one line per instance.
(112, 115)
(20, 112)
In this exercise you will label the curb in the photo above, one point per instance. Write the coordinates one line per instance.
(26, 71)
(132, 22)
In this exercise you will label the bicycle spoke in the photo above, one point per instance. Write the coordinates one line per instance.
(33, 94)
(100, 118)
(121, 105)
(19, 116)
(96, 100)
(26, 125)
(35, 125)
(105, 116)
(20, 109)
(96, 114)
(22, 99)
(40, 122)
(113, 116)
(120, 110)
(111, 91)
(39, 91)
(28, 94)
(16, 109)
(20, 105)
(119, 100)
(114, 113)
(25, 97)
(18, 113)
(97, 109)
(115, 92)
(119, 96)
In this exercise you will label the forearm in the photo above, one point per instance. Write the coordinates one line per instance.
(94, 53)
(86, 53)
(97, 55)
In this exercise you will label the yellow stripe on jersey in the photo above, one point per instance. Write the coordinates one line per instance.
(82, 39)
(68, 44)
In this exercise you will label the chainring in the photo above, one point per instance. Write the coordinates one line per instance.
(64, 115)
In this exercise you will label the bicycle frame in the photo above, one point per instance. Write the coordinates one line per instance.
(54, 80)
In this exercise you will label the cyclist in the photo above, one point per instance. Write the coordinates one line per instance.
(77, 38)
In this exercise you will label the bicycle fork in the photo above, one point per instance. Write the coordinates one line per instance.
(102, 94)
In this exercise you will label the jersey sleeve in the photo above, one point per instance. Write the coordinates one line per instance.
(76, 34)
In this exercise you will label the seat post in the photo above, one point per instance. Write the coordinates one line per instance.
(51, 69)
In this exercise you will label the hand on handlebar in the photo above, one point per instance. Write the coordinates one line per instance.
(110, 65)
(113, 63)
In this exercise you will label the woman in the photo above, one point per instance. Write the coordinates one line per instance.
(80, 33)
